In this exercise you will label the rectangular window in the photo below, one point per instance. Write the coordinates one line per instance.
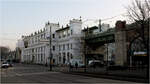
(71, 56)
(53, 35)
(53, 48)
(59, 47)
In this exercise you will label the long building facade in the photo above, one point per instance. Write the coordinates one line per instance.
(66, 44)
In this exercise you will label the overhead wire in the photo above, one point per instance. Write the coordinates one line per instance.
(96, 20)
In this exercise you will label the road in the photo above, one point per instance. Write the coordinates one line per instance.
(22, 73)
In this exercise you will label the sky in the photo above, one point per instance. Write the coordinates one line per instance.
(23, 17)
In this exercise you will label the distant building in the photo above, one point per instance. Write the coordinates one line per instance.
(19, 48)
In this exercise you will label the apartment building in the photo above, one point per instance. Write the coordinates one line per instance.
(35, 50)
(69, 43)
(65, 44)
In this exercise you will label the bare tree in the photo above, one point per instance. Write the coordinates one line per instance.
(139, 13)
(147, 2)
(4, 52)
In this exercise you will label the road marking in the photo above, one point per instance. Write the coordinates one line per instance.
(36, 73)
(18, 74)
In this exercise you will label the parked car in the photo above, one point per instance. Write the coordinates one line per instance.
(5, 65)
(96, 63)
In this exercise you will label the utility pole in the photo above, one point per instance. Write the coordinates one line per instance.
(107, 57)
(84, 45)
(50, 45)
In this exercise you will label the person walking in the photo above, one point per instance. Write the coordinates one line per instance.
(76, 65)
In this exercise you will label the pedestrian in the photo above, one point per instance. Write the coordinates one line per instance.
(76, 65)
(46, 64)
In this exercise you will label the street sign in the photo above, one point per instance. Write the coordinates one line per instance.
(140, 53)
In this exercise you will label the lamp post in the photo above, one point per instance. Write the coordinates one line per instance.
(85, 51)
(107, 57)
(107, 64)
(50, 55)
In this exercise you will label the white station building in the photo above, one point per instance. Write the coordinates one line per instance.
(66, 44)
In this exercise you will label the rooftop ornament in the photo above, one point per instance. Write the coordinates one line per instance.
(80, 18)
(32, 34)
(35, 33)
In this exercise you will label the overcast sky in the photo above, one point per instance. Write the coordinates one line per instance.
(22, 17)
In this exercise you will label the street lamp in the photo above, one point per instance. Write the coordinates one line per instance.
(50, 42)
(107, 58)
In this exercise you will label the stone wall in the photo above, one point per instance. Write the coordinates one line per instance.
(120, 44)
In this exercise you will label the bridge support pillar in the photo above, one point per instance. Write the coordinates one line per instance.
(120, 44)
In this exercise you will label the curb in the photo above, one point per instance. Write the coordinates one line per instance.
(109, 76)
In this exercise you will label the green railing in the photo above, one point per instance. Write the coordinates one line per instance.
(100, 37)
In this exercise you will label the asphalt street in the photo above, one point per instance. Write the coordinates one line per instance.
(22, 73)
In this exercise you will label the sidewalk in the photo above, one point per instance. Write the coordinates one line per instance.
(136, 76)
